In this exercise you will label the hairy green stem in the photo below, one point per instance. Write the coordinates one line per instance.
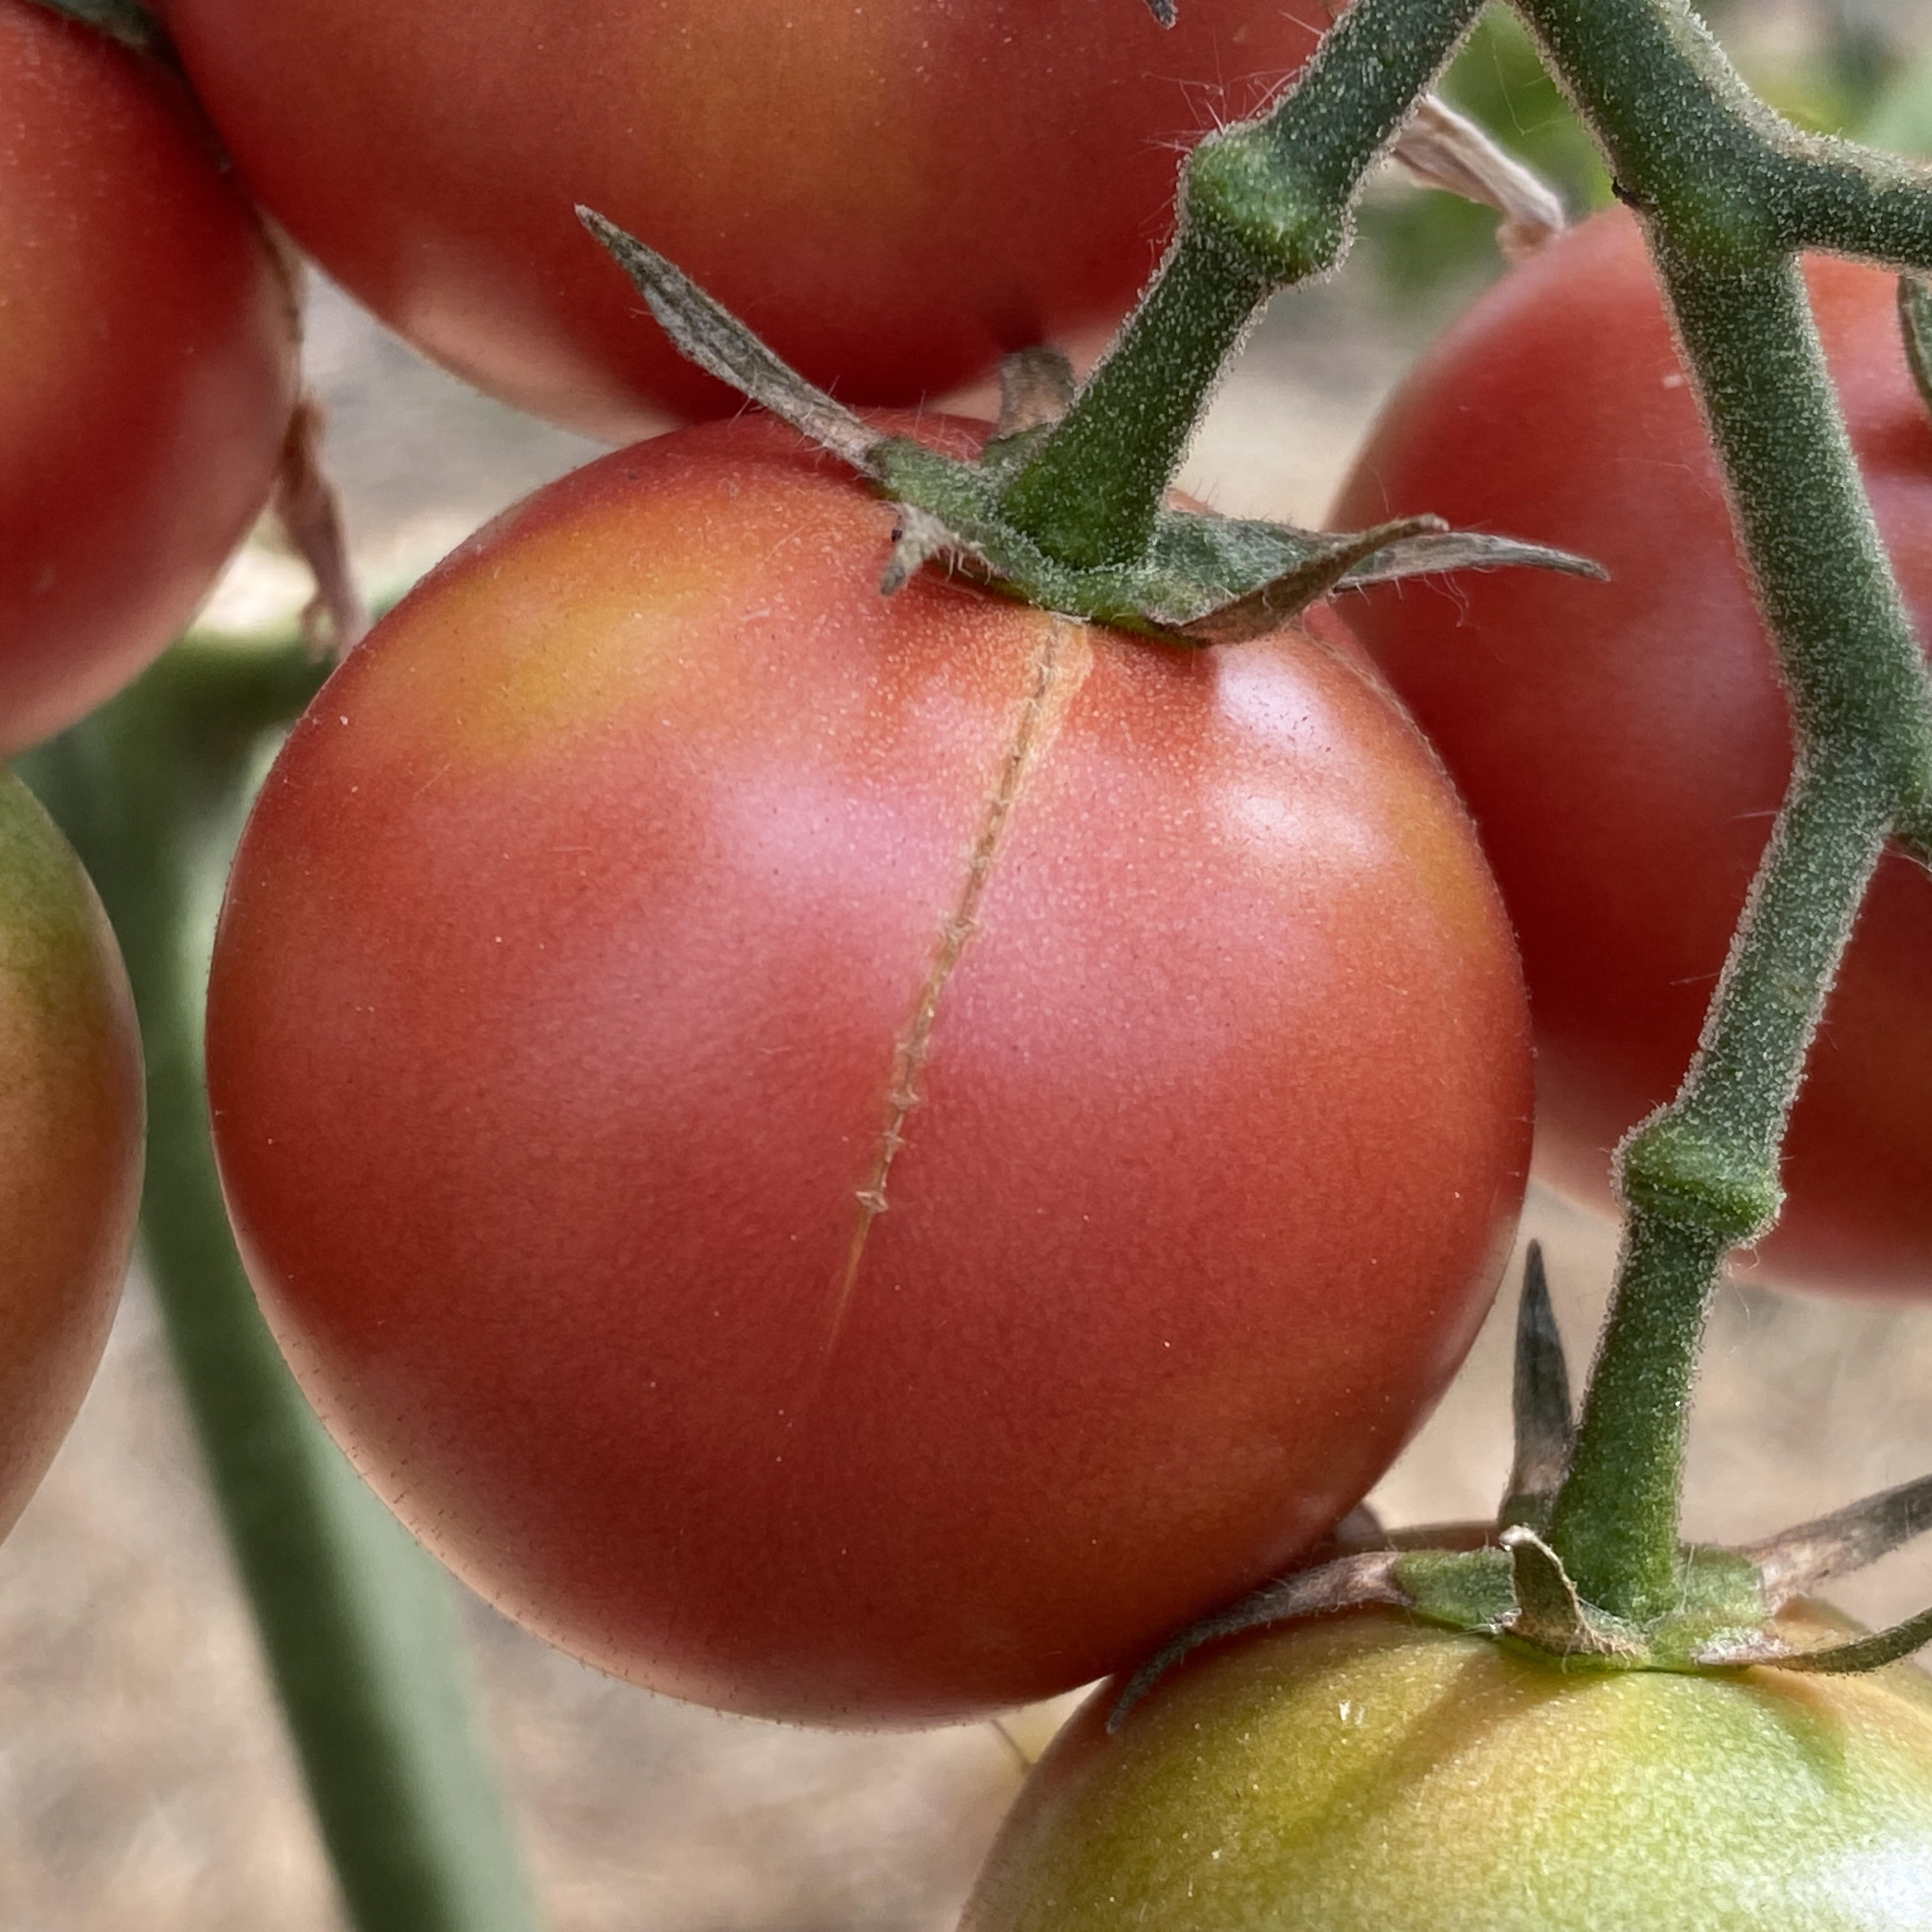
(1262, 204)
(1728, 191)
(358, 1625)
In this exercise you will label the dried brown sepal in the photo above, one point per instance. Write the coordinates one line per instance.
(1442, 148)
(707, 334)
(1866, 1653)
(1915, 325)
(1163, 11)
(1441, 551)
(1859, 1654)
(1037, 384)
(918, 536)
(1548, 1612)
(1545, 1422)
(1360, 1529)
(1331, 561)
(1203, 579)
(1345, 1584)
(306, 505)
(1797, 1561)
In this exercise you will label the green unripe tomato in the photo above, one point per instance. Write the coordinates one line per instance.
(70, 1111)
(1365, 1774)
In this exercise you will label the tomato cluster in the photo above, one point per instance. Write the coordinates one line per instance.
(866, 1159)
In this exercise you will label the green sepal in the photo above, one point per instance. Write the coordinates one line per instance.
(1465, 1589)
(1202, 579)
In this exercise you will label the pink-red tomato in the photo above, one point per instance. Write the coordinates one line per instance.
(1624, 746)
(855, 1159)
(892, 194)
(70, 1109)
(1365, 1774)
(148, 340)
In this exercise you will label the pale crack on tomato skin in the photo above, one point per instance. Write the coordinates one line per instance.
(1053, 671)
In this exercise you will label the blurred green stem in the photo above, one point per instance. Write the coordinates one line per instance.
(359, 1626)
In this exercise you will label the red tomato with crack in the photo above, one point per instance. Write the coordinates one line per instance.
(1624, 746)
(150, 340)
(71, 1113)
(855, 1159)
(891, 195)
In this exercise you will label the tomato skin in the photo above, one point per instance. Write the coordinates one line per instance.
(893, 196)
(71, 1115)
(135, 285)
(573, 955)
(1624, 746)
(1363, 1773)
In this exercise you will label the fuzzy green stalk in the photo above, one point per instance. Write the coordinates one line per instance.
(1262, 205)
(1728, 192)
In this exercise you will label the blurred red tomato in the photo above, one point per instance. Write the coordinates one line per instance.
(149, 341)
(855, 1159)
(893, 196)
(1624, 746)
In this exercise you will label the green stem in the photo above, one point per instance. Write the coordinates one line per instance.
(1699, 1177)
(1728, 191)
(358, 1625)
(1262, 205)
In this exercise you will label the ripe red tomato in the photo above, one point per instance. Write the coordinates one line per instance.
(1366, 1771)
(1624, 746)
(852, 1159)
(893, 196)
(151, 339)
(70, 1108)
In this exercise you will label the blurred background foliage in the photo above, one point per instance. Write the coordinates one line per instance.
(1858, 67)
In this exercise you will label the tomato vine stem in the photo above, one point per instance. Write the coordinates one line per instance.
(1262, 204)
(1728, 192)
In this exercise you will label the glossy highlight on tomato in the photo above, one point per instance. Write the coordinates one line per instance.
(893, 195)
(149, 337)
(1624, 746)
(1365, 1774)
(70, 1114)
(848, 1158)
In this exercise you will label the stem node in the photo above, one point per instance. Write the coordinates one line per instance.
(1692, 1179)
(1243, 189)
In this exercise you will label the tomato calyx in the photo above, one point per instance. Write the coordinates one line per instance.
(1503, 1580)
(1202, 579)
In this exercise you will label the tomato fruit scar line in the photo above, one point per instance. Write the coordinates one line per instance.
(1048, 668)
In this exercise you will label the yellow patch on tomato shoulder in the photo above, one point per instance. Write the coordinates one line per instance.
(572, 626)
